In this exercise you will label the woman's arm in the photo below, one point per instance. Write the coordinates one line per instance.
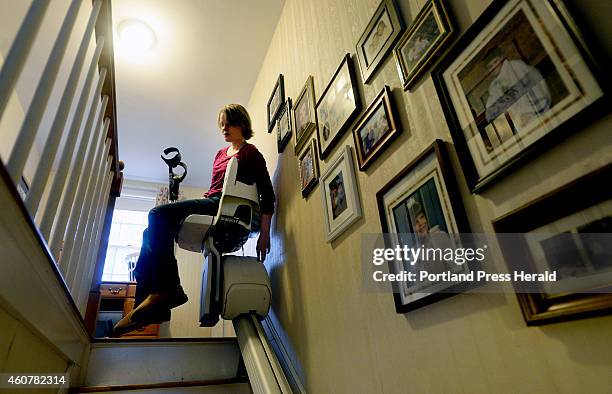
(263, 243)
(266, 198)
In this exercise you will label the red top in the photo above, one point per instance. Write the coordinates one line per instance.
(251, 169)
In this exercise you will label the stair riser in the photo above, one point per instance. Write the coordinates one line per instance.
(150, 363)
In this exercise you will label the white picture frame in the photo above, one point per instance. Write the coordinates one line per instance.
(340, 195)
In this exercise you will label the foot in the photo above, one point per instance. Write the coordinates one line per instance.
(175, 299)
(153, 310)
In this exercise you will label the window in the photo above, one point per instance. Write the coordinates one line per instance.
(124, 240)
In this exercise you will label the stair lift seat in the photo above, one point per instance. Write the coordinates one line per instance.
(231, 285)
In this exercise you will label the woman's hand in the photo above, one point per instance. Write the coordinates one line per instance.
(263, 243)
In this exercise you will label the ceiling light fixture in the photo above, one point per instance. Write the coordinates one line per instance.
(135, 37)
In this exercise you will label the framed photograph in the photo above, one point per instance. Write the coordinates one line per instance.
(422, 42)
(304, 115)
(376, 129)
(341, 203)
(380, 35)
(275, 103)
(422, 206)
(283, 127)
(569, 235)
(309, 168)
(514, 83)
(338, 105)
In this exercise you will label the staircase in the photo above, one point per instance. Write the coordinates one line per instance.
(208, 365)
(53, 248)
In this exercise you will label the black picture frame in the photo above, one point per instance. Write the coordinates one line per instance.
(284, 128)
(371, 49)
(275, 102)
(435, 160)
(559, 204)
(340, 95)
(493, 151)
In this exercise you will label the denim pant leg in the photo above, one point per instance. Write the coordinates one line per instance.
(157, 270)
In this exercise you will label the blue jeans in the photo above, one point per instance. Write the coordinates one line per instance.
(156, 270)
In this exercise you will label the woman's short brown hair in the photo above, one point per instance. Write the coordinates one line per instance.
(237, 115)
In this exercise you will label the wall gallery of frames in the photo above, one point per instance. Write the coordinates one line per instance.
(519, 80)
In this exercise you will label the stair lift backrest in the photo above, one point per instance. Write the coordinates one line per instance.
(238, 214)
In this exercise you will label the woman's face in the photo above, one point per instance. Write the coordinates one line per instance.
(230, 133)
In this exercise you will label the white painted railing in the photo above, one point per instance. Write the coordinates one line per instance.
(68, 199)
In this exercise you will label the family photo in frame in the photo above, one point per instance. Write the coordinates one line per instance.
(304, 114)
(507, 85)
(340, 195)
(565, 234)
(275, 103)
(309, 168)
(338, 105)
(421, 206)
(376, 129)
(283, 127)
(380, 35)
(425, 38)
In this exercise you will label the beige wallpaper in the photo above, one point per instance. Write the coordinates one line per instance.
(347, 341)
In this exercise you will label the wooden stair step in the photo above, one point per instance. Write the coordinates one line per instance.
(234, 385)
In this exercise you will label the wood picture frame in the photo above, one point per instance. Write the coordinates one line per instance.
(378, 38)
(309, 168)
(304, 115)
(376, 129)
(561, 211)
(426, 37)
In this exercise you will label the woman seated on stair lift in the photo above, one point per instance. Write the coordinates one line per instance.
(158, 284)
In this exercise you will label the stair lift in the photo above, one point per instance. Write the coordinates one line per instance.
(235, 288)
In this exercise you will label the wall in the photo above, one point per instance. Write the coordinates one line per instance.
(343, 340)
(21, 350)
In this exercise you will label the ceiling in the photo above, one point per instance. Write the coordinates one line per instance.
(208, 53)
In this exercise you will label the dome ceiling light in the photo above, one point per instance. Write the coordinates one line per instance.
(135, 37)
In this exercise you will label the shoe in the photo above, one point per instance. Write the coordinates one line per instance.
(154, 311)
(125, 325)
(156, 307)
(178, 298)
